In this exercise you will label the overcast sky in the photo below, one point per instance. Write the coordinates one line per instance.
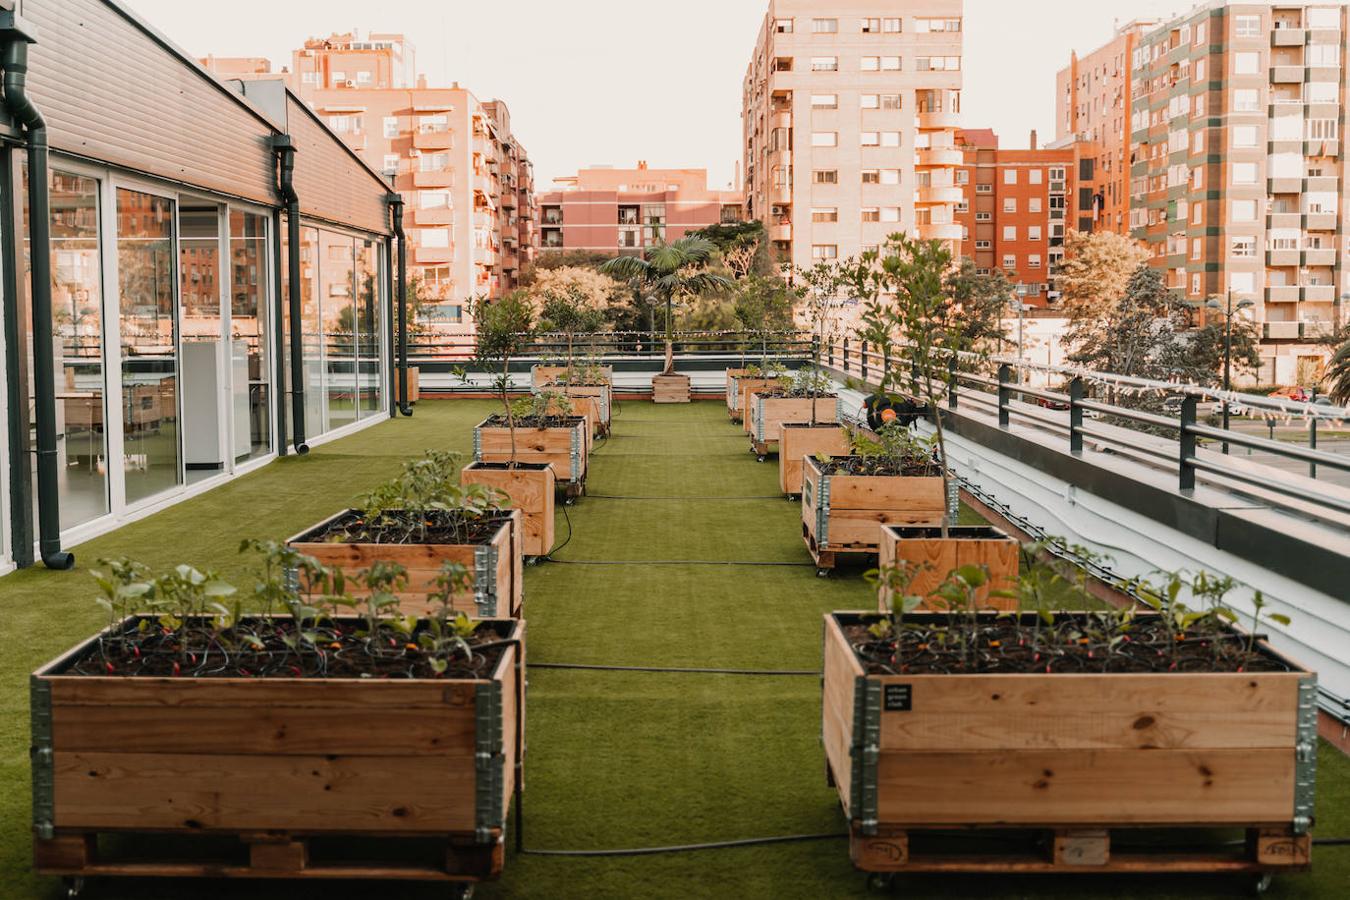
(615, 81)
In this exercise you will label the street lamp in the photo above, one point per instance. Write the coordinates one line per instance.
(1020, 308)
(1213, 303)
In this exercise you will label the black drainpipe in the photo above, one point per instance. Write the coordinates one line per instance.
(401, 287)
(16, 100)
(391, 374)
(286, 188)
(279, 335)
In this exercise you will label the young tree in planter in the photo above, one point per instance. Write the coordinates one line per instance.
(920, 312)
(825, 287)
(503, 331)
(764, 304)
(669, 273)
(569, 309)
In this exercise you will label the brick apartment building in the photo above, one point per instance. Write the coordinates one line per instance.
(1013, 213)
(615, 211)
(467, 181)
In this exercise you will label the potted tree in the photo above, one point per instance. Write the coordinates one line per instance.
(670, 273)
(538, 429)
(888, 479)
(1076, 727)
(316, 715)
(807, 399)
(566, 309)
(913, 316)
(503, 328)
(420, 520)
(764, 305)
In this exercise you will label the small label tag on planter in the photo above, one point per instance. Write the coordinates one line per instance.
(899, 698)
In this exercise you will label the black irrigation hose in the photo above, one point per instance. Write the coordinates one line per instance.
(566, 540)
(677, 669)
(778, 497)
(675, 562)
(685, 848)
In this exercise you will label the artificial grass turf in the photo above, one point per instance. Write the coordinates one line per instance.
(616, 759)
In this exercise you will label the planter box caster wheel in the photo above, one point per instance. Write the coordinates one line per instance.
(822, 573)
(1261, 883)
(461, 892)
(760, 457)
(74, 886)
(569, 501)
(881, 882)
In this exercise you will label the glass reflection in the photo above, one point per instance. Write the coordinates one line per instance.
(201, 348)
(336, 280)
(248, 344)
(368, 321)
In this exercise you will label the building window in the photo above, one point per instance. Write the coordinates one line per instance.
(1244, 173)
(825, 214)
(1322, 130)
(938, 64)
(1244, 247)
(824, 139)
(782, 64)
(871, 214)
(309, 77)
(1244, 210)
(870, 139)
(870, 101)
(892, 26)
(1244, 135)
(782, 26)
(826, 176)
(1010, 176)
(391, 126)
(963, 176)
(825, 101)
(871, 63)
(433, 162)
(1247, 26)
(1033, 232)
(824, 251)
(1033, 204)
(1246, 63)
(434, 237)
(345, 124)
(824, 64)
(925, 26)
(436, 124)
(1034, 261)
(1010, 204)
(433, 199)
(890, 214)
(984, 245)
(984, 188)
(363, 77)
(890, 64)
(1010, 232)
(871, 26)
(390, 164)
(1010, 262)
(890, 176)
(890, 139)
(825, 26)
(1034, 176)
(890, 101)
(871, 176)
(984, 217)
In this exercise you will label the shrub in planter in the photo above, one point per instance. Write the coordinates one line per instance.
(845, 499)
(1076, 723)
(568, 309)
(804, 400)
(421, 520)
(919, 555)
(317, 715)
(587, 386)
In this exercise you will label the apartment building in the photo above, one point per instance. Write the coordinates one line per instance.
(467, 181)
(850, 112)
(1013, 211)
(616, 211)
(1093, 97)
(1237, 182)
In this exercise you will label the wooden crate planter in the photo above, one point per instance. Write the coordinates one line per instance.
(965, 545)
(495, 565)
(740, 402)
(546, 375)
(276, 763)
(600, 397)
(579, 406)
(531, 487)
(769, 413)
(564, 447)
(799, 440)
(843, 513)
(414, 384)
(732, 395)
(1074, 757)
(670, 389)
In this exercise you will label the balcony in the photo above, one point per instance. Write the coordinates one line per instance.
(431, 256)
(433, 140)
(1280, 331)
(937, 120)
(443, 216)
(1286, 74)
(1319, 257)
(781, 120)
(940, 231)
(1284, 185)
(509, 199)
(929, 157)
(930, 195)
(1288, 37)
(440, 178)
(1320, 221)
(780, 194)
(1318, 293)
(1283, 257)
(1282, 293)
(781, 231)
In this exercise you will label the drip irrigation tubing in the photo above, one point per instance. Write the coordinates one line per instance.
(675, 669)
(778, 497)
(677, 562)
(685, 848)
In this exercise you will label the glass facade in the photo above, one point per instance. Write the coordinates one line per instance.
(250, 359)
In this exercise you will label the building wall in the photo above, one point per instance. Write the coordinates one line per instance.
(1026, 191)
(615, 211)
(815, 72)
(1237, 182)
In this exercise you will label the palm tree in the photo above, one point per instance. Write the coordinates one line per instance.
(1338, 374)
(667, 272)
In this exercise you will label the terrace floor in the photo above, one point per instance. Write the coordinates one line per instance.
(616, 759)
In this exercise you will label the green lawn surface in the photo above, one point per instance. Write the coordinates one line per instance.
(616, 759)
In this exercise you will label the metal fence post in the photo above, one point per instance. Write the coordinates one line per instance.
(1186, 441)
(845, 356)
(951, 382)
(863, 357)
(829, 348)
(1312, 444)
(1004, 394)
(1076, 415)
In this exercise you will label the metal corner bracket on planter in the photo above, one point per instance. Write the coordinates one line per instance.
(489, 761)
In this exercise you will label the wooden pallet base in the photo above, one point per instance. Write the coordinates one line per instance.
(826, 557)
(763, 448)
(445, 858)
(893, 849)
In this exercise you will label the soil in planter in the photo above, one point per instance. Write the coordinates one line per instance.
(257, 648)
(793, 395)
(438, 527)
(860, 465)
(1026, 644)
(527, 422)
(510, 467)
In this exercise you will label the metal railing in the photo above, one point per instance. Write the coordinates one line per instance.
(607, 345)
(1173, 442)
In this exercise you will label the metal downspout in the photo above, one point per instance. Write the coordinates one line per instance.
(285, 151)
(401, 286)
(279, 334)
(391, 374)
(16, 379)
(18, 103)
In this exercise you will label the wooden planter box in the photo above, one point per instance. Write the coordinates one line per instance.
(274, 762)
(531, 487)
(843, 513)
(768, 414)
(796, 441)
(965, 545)
(739, 400)
(598, 396)
(496, 566)
(670, 388)
(545, 375)
(731, 394)
(414, 384)
(565, 448)
(1075, 754)
(579, 406)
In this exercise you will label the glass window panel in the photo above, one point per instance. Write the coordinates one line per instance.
(148, 327)
(337, 269)
(250, 370)
(199, 294)
(369, 319)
